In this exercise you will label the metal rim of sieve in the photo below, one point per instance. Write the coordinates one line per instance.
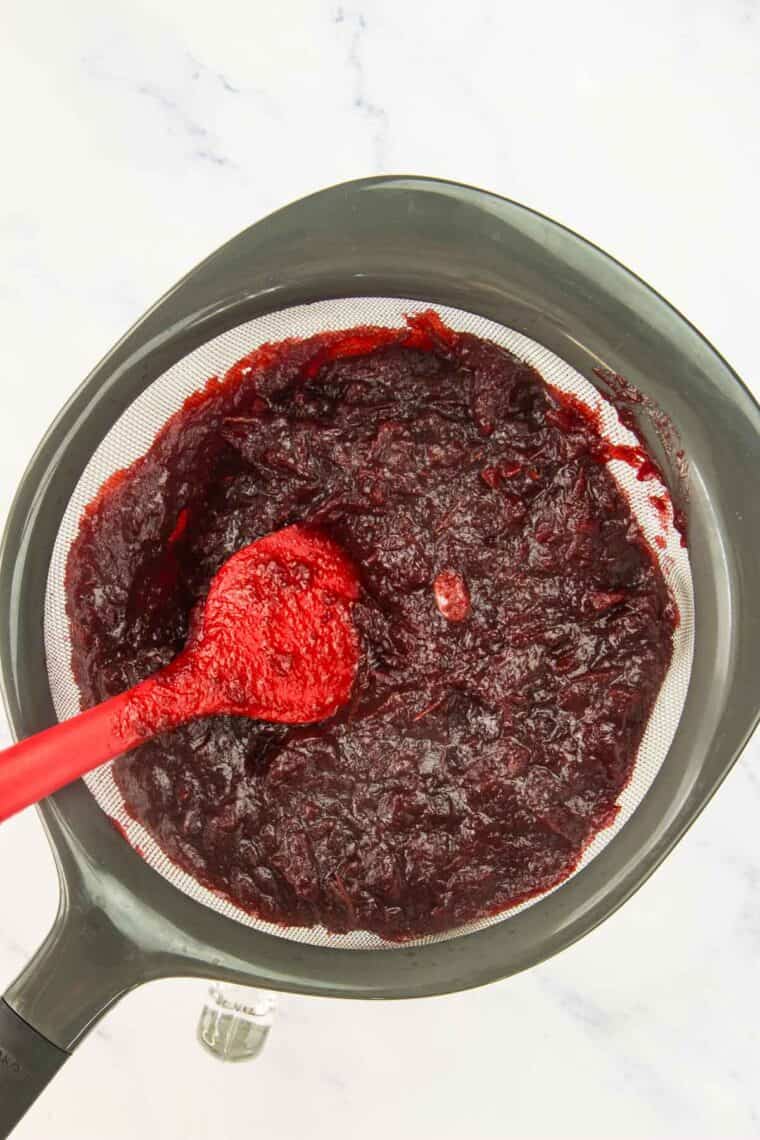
(137, 426)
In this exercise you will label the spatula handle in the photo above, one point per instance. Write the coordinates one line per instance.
(41, 764)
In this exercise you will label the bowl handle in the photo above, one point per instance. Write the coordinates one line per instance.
(28, 1061)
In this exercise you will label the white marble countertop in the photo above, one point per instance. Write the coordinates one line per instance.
(140, 136)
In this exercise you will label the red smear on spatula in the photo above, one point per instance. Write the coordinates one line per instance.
(274, 640)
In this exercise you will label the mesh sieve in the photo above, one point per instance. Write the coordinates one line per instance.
(132, 434)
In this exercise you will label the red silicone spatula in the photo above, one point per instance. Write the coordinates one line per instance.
(274, 640)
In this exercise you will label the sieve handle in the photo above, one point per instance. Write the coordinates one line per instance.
(41, 764)
(28, 1062)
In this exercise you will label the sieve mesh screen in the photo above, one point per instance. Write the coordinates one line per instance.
(132, 434)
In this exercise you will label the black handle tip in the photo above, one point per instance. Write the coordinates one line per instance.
(28, 1062)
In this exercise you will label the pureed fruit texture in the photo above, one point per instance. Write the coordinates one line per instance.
(514, 628)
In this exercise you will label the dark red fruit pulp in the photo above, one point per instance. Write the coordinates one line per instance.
(476, 758)
(629, 403)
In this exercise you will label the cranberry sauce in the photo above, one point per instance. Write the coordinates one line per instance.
(514, 627)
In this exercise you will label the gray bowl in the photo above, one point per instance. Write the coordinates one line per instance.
(120, 923)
